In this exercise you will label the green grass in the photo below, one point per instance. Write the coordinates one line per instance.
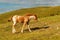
(40, 11)
(51, 33)
(47, 28)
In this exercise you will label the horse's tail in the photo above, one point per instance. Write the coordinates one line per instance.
(10, 19)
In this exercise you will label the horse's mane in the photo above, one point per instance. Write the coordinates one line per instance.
(30, 14)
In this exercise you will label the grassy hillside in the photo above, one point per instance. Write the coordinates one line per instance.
(47, 28)
(40, 11)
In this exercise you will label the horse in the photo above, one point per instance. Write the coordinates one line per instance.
(25, 19)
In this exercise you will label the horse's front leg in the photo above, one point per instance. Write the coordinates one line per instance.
(13, 28)
(28, 27)
(23, 27)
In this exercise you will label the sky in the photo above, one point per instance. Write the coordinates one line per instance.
(9, 5)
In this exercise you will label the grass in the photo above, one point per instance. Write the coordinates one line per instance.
(40, 11)
(41, 33)
(47, 28)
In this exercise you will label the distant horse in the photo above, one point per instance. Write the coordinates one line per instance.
(23, 19)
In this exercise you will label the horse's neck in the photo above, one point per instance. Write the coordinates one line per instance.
(31, 17)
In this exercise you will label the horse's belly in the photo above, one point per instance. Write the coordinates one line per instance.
(20, 21)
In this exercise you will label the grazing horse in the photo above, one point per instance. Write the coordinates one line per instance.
(23, 19)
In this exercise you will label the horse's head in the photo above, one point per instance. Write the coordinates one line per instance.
(33, 17)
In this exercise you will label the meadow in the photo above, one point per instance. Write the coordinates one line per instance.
(47, 28)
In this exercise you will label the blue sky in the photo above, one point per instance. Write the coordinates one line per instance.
(9, 5)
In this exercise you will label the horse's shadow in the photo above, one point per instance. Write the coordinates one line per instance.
(36, 28)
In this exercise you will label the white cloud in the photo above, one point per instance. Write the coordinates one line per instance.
(30, 1)
(17, 1)
(12, 1)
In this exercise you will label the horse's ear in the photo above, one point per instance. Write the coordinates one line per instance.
(28, 14)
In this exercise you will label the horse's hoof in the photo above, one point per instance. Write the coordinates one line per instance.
(13, 32)
(21, 31)
(30, 31)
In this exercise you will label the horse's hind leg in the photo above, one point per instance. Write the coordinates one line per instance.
(13, 28)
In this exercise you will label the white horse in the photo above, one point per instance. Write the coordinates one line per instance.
(23, 19)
